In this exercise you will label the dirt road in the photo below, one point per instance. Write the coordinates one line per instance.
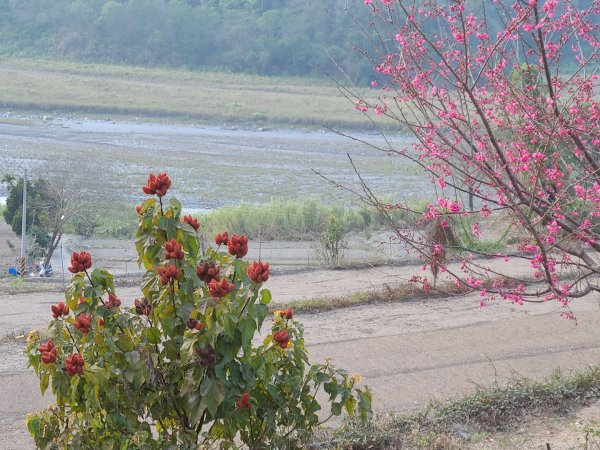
(409, 352)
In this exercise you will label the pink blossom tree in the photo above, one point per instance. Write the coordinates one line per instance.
(501, 98)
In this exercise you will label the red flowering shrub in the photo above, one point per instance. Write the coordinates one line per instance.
(113, 302)
(244, 402)
(219, 288)
(238, 246)
(168, 273)
(207, 355)
(192, 222)
(180, 369)
(83, 322)
(143, 307)
(286, 313)
(59, 310)
(48, 351)
(222, 238)
(207, 272)
(173, 250)
(194, 324)
(157, 184)
(281, 338)
(258, 271)
(80, 262)
(74, 364)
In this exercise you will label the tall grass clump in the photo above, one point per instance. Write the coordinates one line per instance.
(297, 220)
(487, 410)
(291, 220)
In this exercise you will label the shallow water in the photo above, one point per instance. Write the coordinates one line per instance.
(210, 166)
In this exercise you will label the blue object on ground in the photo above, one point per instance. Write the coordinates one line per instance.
(12, 271)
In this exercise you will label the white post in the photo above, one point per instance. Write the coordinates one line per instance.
(23, 226)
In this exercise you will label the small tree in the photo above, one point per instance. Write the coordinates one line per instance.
(50, 204)
(36, 209)
(181, 369)
(501, 97)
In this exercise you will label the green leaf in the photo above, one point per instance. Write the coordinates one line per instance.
(152, 335)
(174, 203)
(214, 396)
(171, 349)
(265, 297)
(229, 325)
(248, 327)
(33, 425)
(336, 409)
(125, 342)
(102, 279)
(44, 380)
(151, 254)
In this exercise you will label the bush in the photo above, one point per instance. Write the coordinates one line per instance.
(181, 368)
(332, 244)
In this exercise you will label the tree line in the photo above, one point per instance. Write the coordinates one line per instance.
(266, 37)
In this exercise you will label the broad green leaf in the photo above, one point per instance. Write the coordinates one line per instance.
(152, 335)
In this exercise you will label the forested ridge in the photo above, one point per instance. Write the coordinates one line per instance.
(266, 37)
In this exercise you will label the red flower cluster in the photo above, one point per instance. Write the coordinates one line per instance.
(191, 222)
(59, 310)
(281, 338)
(173, 250)
(157, 184)
(168, 273)
(238, 246)
(113, 301)
(74, 364)
(258, 271)
(222, 238)
(80, 262)
(286, 313)
(207, 356)
(207, 272)
(194, 324)
(244, 402)
(83, 323)
(219, 289)
(142, 307)
(48, 351)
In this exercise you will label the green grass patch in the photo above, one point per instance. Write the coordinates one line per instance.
(17, 285)
(304, 219)
(488, 410)
(389, 294)
(290, 220)
(213, 97)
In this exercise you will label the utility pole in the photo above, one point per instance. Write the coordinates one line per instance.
(23, 227)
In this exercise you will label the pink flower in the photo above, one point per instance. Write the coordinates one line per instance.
(400, 39)
(455, 207)
(553, 227)
(374, 83)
